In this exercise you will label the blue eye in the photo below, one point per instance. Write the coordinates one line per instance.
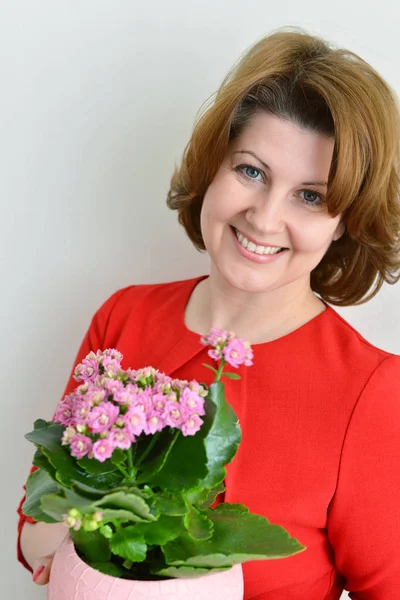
(313, 198)
(248, 172)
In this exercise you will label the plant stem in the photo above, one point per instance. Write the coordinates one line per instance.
(123, 471)
(220, 371)
(131, 468)
(149, 448)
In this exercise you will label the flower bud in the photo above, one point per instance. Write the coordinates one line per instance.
(90, 525)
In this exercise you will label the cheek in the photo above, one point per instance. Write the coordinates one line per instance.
(313, 236)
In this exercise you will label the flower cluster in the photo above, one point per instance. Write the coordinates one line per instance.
(112, 407)
(226, 346)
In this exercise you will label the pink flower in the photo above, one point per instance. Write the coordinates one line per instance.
(172, 396)
(82, 389)
(81, 411)
(144, 401)
(109, 352)
(192, 401)
(228, 346)
(174, 414)
(103, 449)
(191, 425)
(63, 412)
(69, 432)
(215, 354)
(196, 387)
(215, 337)
(113, 386)
(135, 420)
(125, 396)
(154, 423)
(234, 353)
(238, 352)
(159, 401)
(111, 366)
(80, 445)
(95, 396)
(120, 438)
(103, 417)
(87, 370)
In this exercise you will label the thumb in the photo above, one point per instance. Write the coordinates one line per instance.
(41, 570)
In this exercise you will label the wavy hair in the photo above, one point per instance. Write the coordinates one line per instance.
(327, 90)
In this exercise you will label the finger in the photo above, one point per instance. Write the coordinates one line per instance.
(41, 571)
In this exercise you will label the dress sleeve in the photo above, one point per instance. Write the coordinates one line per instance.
(363, 516)
(93, 340)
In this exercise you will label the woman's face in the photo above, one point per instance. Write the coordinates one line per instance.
(270, 189)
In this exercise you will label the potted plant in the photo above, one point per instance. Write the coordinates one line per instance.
(133, 462)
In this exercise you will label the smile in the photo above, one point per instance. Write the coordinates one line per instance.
(252, 247)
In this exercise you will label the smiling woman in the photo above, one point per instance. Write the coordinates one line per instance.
(290, 182)
(293, 88)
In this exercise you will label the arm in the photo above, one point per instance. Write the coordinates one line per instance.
(37, 540)
(363, 517)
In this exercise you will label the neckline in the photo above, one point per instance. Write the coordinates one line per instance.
(189, 334)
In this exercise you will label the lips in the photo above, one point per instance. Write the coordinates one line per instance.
(251, 239)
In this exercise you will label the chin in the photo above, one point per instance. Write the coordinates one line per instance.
(252, 283)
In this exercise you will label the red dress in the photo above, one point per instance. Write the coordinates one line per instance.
(320, 416)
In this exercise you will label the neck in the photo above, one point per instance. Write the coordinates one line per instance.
(256, 317)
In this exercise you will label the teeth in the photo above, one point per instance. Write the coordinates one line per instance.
(252, 247)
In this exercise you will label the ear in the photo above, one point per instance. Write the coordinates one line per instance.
(340, 229)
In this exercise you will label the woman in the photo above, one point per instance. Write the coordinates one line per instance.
(291, 183)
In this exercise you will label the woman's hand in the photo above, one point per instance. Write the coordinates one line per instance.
(39, 542)
(41, 570)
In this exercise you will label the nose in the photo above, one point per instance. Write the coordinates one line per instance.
(267, 213)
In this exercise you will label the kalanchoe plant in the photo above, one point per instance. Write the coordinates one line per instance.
(133, 462)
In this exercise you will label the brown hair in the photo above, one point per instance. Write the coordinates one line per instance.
(326, 90)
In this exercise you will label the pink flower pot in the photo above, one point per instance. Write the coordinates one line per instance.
(72, 579)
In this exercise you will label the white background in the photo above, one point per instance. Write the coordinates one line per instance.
(97, 102)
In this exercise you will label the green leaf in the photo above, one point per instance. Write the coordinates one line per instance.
(213, 495)
(39, 483)
(107, 531)
(169, 504)
(158, 455)
(186, 572)
(231, 375)
(94, 546)
(199, 527)
(118, 457)
(42, 462)
(110, 514)
(210, 367)
(126, 543)
(48, 438)
(45, 433)
(178, 475)
(91, 465)
(162, 531)
(204, 498)
(238, 536)
(108, 568)
(83, 503)
(223, 435)
(127, 501)
(55, 506)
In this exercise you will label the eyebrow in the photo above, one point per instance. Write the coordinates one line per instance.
(268, 168)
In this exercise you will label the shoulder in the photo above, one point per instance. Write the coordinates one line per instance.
(139, 300)
(349, 344)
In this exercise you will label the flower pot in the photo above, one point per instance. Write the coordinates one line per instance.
(72, 579)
